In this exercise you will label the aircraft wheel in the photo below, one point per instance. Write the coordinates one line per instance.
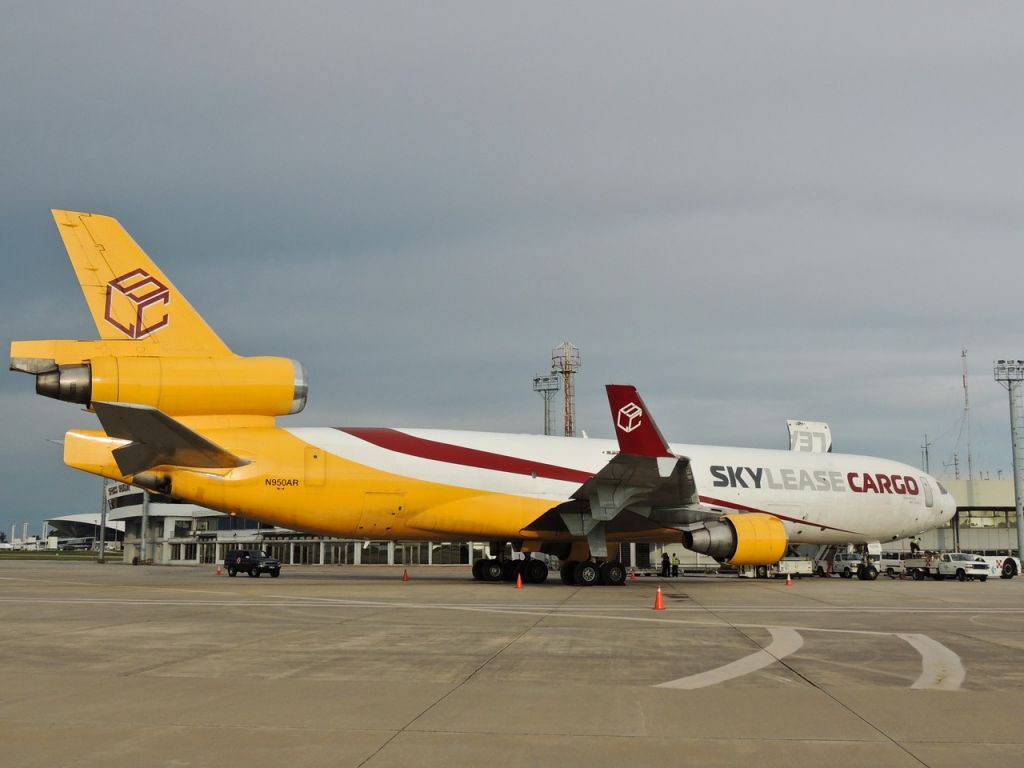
(478, 568)
(1009, 569)
(568, 572)
(510, 569)
(613, 573)
(490, 570)
(587, 574)
(534, 571)
(961, 575)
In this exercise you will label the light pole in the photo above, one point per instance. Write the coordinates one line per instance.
(1010, 373)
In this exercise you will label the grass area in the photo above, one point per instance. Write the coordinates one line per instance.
(69, 556)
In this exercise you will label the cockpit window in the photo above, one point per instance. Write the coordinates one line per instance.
(942, 488)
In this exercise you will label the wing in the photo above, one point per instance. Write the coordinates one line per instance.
(643, 486)
(158, 439)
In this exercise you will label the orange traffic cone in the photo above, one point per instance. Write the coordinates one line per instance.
(218, 570)
(659, 602)
(789, 580)
(519, 581)
(405, 575)
(632, 575)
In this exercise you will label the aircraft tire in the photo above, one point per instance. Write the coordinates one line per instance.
(613, 573)
(478, 568)
(534, 571)
(587, 574)
(568, 572)
(510, 569)
(490, 570)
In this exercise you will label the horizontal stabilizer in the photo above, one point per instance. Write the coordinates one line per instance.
(158, 439)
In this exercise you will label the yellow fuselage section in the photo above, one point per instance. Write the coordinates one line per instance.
(293, 484)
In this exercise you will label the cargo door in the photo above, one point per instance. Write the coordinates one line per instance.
(380, 511)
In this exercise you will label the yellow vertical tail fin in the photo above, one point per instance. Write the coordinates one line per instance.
(129, 297)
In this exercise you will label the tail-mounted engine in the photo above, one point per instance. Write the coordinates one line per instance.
(179, 386)
(746, 539)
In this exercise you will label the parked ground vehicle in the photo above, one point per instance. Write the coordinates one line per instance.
(787, 566)
(251, 561)
(847, 565)
(959, 565)
(1003, 566)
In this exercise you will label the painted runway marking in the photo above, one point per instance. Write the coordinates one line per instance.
(785, 641)
(941, 669)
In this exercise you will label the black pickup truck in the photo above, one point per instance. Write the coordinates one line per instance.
(251, 561)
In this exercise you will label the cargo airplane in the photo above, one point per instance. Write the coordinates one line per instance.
(183, 416)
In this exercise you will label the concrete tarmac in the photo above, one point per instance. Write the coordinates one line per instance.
(154, 666)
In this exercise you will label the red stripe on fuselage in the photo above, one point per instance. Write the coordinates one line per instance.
(393, 440)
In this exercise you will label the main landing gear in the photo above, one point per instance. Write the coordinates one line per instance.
(495, 569)
(589, 573)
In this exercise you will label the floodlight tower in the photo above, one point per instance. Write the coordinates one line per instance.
(1010, 373)
(548, 386)
(565, 359)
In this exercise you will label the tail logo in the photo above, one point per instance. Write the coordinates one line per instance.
(629, 417)
(133, 303)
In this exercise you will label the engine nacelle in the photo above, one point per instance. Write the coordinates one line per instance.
(751, 538)
(183, 386)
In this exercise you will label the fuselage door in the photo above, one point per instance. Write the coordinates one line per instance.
(929, 496)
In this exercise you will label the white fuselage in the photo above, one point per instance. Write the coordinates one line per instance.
(823, 498)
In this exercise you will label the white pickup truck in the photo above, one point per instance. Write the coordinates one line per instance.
(847, 565)
(958, 565)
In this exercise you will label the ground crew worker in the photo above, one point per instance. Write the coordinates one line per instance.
(675, 564)
(664, 564)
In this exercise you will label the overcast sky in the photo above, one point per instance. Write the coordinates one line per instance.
(752, 211)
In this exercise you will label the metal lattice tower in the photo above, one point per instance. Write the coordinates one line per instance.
(548, 387)
(565, 360)
(1010, 373)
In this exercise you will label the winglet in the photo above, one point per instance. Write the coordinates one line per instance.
(634, 427)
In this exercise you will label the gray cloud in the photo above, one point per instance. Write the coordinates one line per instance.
(753, 212)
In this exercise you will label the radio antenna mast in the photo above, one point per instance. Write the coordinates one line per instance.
(967, 417)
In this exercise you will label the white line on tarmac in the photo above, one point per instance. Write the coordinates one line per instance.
(941, 669)
(785, 641)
